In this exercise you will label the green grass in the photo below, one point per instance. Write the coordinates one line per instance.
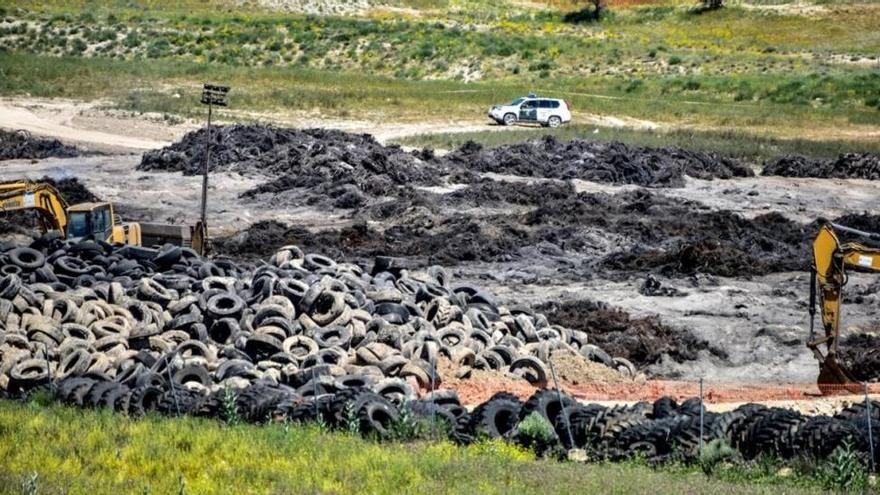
(756, 70)
(64, 450)
(748, 147)
(172, 87)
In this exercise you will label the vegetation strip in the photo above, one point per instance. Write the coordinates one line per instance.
(56, 448)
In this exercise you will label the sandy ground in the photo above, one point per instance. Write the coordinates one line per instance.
(91, 126)
(83, 124)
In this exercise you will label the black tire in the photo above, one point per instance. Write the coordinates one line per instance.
(143, 400)
(257, 402)
(309, 409)
(395, 390)
(327, 308)
(71, 266)
(335, 336)
(261, 347)
(193, 373)
(98, 392)
(378, 415)
(445, 398)
(26, 258)
(747, 415)
(434, 413)
(530, 368)
(79, 396)
(496, 418)
(9, 286)
(225, 305)
(597, 355)
(168, 256)
(819, 436)
(858, 412)
(70, 388)
(691, 407)
(27, 375)
(355, 381)
(773, 434)
(315, 262)
(546, 403)
(580, 420)
(664, 407)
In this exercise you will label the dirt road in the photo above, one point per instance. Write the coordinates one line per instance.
(96, 127)
(92, 126)
(69, 122)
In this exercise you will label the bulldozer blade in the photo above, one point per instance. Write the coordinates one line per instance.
(834, 378)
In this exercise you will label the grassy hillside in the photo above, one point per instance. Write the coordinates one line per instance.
(61, 450)
(805, 70)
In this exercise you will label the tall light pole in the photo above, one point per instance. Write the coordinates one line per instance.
(212, 94)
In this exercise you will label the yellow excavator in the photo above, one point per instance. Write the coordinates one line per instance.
(831, 262)
(96, 220)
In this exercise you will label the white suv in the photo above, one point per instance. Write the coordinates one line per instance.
(549, 112)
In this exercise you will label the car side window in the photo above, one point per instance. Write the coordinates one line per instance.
(553, 104)
(528, 104)
(544, 104)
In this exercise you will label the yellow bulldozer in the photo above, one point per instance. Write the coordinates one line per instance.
(831, 261)
(95, 220)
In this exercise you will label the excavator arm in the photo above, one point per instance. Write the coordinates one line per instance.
(41, 197)
(831, 262)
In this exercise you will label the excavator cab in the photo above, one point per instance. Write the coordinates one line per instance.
(99, 221)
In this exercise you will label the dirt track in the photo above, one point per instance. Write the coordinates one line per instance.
(95, 128)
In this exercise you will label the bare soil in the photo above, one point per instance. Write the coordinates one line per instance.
(538, 241)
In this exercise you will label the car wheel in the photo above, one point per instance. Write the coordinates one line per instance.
(509, 119)
(554, 122)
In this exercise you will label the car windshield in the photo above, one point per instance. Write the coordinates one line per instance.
(78, 226)
(516, 102)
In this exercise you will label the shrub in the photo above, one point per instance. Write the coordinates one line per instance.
(535, 432)
(229, 409)
(633, 85)
(844, 471)
(714, 453)
(674, 60)
(78, 46)
(158, 48)
(543, 65)
(691, 85)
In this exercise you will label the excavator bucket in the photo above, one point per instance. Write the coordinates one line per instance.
(835, 379)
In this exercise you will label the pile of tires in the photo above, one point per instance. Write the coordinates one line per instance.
(665, 430)
(300, 320)
(660, 432)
